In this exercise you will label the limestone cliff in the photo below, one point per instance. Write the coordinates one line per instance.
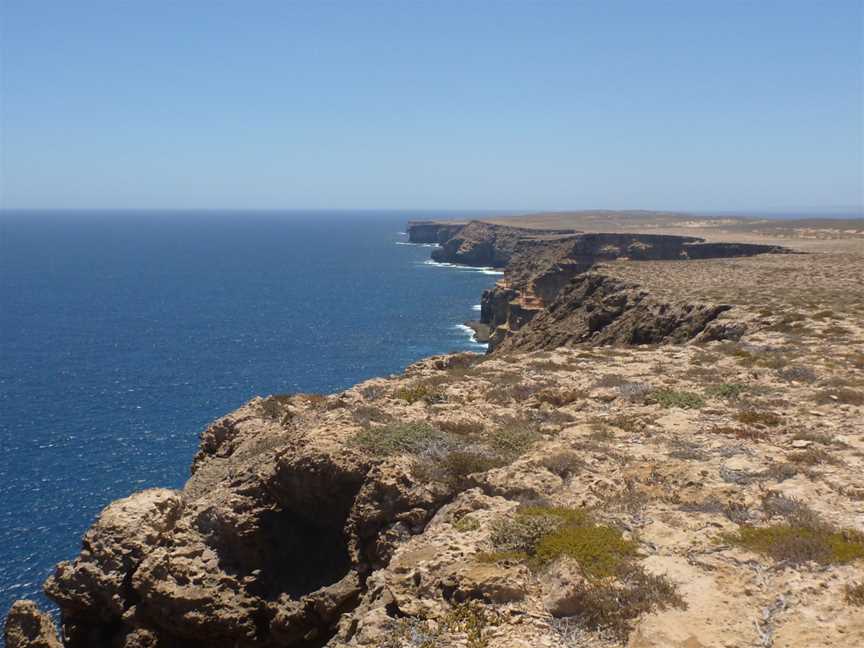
(431, 231)
(486, 244)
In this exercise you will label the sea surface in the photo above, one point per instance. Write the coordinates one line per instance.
(122, 334)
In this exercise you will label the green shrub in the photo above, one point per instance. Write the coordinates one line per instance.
(396, 438)
(599, 550)
(615, 591)
(513, 437)
(729, 391)
(674, 398)
(798, 543)
(421, 391)
(466, 523)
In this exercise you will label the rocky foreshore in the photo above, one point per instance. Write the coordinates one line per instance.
(625, 467)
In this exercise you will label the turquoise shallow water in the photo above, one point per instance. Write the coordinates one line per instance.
(123, 334)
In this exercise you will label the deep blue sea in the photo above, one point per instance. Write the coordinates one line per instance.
(122, 334)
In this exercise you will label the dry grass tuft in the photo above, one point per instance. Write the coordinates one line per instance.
(755, 417)
(855, 594)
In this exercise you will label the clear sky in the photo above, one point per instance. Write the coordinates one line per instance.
(691, 104)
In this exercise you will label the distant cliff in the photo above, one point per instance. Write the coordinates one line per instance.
(431, 231)
(541, 264)
(487, 244)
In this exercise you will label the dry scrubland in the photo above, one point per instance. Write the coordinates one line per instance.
(693, 496)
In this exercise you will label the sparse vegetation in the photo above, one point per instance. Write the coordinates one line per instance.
(751, 434)
(616, 589)
(729, 391)
(855, 594)
(453, 467)
(798, 374)
(812, 457)
(560, 397)
(421, 391)
(408, 438)
(470, 619)
(675, 398)
(462, 427)
(634, 391)
(564, 464)
(366, 414)
(275, 408)
(797, 543)
(466, 523)
(756, 417)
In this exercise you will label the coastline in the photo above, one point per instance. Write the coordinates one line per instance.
(333, 522)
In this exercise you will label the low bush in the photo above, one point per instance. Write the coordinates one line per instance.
(421, 391)
(756, 417)
(366, 414)
(408, 438)
(750, 434)
(613, 604)
(453, 467)
(462, 427)
(855, 594)
(675, 398)
(560, 397)
(564, 464)
(812, 457)
(798, 374)
(275, 408)
(729, 391)
(798, 543)
(513, 437)
(634, 391)
(616, 590)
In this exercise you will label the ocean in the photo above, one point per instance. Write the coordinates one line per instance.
(123, 334)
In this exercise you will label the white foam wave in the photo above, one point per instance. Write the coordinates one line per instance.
(470, 333)
(429, 245)
(477, 307)
(456, 266)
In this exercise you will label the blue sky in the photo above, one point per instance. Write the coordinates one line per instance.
(463, 105)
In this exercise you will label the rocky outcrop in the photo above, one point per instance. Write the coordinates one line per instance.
(268, 544)
(29, 627)
(432, 231)
(596, 309)
(488, 245)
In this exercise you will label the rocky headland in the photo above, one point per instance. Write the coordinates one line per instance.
(663, 448)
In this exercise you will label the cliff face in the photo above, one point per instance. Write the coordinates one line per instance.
(431, 231)
(486, 244)
(541, 271)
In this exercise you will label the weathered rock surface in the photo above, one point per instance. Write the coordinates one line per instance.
(28, 627)
(597, 309)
